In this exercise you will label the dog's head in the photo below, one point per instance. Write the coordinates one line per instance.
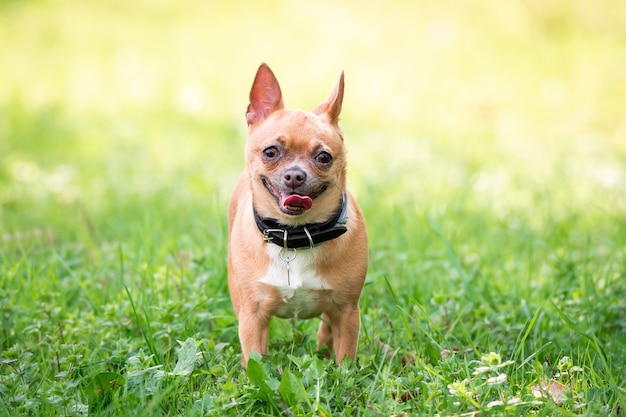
(295, 159)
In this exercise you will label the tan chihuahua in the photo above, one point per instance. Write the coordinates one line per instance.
(298, 242)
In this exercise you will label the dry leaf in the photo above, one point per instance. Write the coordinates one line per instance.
(554, 388)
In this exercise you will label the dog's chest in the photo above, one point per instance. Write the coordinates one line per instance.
(294, 276)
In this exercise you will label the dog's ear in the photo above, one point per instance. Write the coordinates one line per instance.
(265, 96)
(332, 106)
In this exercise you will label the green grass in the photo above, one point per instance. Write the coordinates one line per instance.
(487, 146)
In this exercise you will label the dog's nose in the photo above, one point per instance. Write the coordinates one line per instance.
(294, 177)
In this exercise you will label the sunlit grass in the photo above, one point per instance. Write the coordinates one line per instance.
(487, 146)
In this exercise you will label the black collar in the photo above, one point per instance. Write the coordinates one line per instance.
(305, 236)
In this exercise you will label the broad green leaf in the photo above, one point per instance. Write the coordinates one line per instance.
(258, 377)
(186, 357)
(102, 388)
(107, 382)
(291, 389)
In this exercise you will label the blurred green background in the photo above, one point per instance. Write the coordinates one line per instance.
(517, 106)
(487, 148)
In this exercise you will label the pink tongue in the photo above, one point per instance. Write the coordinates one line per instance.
(298, 201)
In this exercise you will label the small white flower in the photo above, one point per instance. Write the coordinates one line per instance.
(494, 403)
(513, 401)
(564, 363)
(458, 388)
(497, 379)
(484, 369)
(481, 370)
(491, 358)
(491, 362)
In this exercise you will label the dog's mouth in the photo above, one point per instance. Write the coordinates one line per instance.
(291, 202)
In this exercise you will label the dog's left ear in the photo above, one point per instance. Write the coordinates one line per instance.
(332, 106)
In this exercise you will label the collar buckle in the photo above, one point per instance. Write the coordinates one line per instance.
(268, 238)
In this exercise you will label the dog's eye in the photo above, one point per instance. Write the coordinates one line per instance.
(324, 158)
(271, 153)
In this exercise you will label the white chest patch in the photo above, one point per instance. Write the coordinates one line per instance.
(290, 270)
(293, 275)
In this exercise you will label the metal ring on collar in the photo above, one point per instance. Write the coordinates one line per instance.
(308, 235)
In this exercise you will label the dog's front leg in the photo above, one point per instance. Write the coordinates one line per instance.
(345, 326)
(324, 334)
(253, 333)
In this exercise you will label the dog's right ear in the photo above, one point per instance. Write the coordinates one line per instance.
(265, 96)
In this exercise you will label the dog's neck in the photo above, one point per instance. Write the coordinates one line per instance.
(307, 235)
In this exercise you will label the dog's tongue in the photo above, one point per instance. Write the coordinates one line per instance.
(295, 200)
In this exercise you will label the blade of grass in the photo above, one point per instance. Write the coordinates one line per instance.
(521, 340)
(143, 329)
(591, 338)
(401, 311)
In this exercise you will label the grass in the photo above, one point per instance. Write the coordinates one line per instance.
(487, 149)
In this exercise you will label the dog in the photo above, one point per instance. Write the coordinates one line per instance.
(297, 238)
